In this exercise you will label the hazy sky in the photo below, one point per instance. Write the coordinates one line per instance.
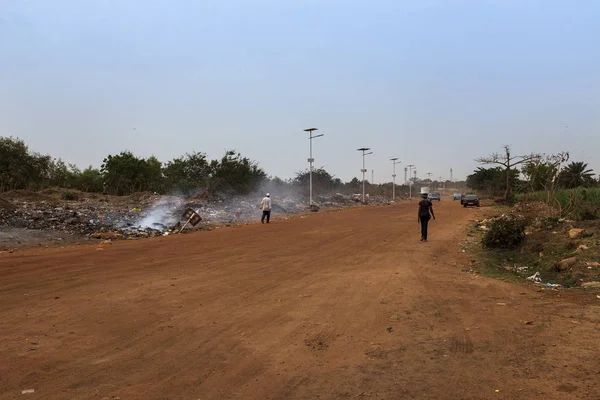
(434, 82)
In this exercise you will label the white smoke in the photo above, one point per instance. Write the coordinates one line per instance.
(165, 213)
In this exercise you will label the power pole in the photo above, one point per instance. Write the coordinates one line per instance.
(363, 170)
(394, 162)
(410, 182)
(311, 160)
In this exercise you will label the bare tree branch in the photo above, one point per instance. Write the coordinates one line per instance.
(508, 162)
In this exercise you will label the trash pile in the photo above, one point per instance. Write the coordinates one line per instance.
(143, 215)
(78, 218)
(137, 216)
(536, 278)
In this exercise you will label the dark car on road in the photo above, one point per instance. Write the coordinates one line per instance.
(470, 200)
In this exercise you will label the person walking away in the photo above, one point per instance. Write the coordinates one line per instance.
(265, 206)
(425, 214)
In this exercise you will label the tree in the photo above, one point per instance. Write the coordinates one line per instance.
(323, 181)
(235, 174)
(89, 180)
(508, 162)
(543, 173)
(125, 173)
(355, 183)
(61, 174)
(492, 180)
(188, 173)
(538, 174)
(19, 167)
(577, 174)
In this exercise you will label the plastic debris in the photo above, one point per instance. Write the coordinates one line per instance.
(535, 277)
(27, 391)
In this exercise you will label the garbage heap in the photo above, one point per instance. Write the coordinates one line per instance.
(142, 215)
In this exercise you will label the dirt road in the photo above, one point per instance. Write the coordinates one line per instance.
(341, 305)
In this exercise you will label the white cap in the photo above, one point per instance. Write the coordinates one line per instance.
(268, 194)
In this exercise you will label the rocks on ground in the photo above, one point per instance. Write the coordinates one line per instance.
(566, 264)
(578, 233)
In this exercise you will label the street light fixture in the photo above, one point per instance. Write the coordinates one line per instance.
(394, 162)
(311, 160)
(410, 182)
(363, 170)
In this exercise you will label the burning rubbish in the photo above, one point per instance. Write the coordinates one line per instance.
(141, 215)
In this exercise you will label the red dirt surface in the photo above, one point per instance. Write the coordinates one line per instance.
(341, 305)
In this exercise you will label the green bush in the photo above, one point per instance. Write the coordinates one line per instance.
(584, 211)
(505, 232)
(552, 222)
(70, 196)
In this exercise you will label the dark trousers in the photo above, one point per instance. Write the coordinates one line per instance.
(424, 223)
(266, 214)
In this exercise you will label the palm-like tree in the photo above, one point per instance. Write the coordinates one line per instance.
(576, 174)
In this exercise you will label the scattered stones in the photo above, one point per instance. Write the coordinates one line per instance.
(594, 264)
(577, 233)
(591, 285)
(565, 264)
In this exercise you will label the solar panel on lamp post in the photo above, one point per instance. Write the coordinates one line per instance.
(363, 170)
(311, 160)
(394, 162)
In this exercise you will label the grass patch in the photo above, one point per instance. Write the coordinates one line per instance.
(590, 195)
(539, 252)
(582, 204)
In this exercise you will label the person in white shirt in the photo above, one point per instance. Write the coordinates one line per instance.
(265, 206)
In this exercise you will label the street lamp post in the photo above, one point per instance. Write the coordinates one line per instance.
(394, 162)
(364, 170)
(410, 167)
(311, 160)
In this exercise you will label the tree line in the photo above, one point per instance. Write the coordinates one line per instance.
(125, 173)
(510, 174)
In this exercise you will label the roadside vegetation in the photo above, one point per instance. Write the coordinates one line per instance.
(191, 174)
(545, 227)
